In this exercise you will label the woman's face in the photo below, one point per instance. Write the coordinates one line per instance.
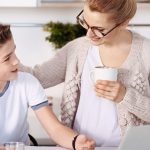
(103, 23)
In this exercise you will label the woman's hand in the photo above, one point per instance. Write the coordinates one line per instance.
(112, 90)
(84, 143)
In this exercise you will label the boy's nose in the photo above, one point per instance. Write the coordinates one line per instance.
(15, 60)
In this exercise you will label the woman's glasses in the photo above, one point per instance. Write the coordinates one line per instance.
(96, 30)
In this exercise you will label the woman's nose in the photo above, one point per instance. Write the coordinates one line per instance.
(90, 33)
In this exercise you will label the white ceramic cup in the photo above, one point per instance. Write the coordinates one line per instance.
(104, 73)
(14, 146)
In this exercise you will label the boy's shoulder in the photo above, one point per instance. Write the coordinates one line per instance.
(26, 81)
(25, 75)
(27, 78)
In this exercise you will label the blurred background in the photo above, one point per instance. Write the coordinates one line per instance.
(27, 18)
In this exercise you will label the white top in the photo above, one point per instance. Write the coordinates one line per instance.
(21, 93)
(96, 117)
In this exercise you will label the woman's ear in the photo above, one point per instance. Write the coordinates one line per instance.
(125, 24)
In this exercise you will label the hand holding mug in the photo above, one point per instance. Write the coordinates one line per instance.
(106, 84)
(111, 90)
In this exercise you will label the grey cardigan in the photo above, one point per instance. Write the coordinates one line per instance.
(67, 67)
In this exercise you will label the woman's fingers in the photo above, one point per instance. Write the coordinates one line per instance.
(111, 90)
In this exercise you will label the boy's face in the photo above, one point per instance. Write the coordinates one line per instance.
(8, 61)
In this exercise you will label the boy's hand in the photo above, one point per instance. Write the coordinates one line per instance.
(84, 143)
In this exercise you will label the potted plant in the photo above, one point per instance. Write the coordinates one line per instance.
(61, 33)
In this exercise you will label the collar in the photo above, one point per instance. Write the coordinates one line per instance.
(5, 89)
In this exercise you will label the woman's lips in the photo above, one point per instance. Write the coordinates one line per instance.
(95, 39)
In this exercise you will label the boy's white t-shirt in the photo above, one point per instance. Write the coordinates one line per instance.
(21, 93)
(96, 117)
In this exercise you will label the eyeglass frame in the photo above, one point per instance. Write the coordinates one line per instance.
(103, 34)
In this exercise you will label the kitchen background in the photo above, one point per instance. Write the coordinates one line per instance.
(27, 18)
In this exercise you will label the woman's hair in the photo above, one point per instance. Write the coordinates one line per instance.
(5, 33)
(121, 10)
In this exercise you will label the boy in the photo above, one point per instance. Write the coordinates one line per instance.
(20, 90)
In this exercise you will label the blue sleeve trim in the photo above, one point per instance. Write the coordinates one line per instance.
(5, 89)
(36, 107)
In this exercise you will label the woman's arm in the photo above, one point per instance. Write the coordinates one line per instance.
(134, 101)
(137, 104)
(61, 134)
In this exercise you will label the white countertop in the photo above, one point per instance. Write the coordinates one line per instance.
(59, 148)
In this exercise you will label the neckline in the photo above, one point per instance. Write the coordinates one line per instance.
(132, 49)
(5, 89)
(130, 55)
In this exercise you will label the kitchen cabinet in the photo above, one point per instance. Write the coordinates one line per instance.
(70, 3)
(18, 3)
(60, 3)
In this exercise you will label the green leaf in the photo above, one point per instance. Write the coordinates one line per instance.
(61, 33)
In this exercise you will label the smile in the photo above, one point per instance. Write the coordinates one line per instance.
(15, 70)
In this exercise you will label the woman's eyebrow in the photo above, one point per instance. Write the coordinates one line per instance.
(100, 28)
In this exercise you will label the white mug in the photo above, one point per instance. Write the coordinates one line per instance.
(104, 73)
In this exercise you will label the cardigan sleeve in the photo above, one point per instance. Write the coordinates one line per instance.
(137, 104)
(51, 72)
(134, 101)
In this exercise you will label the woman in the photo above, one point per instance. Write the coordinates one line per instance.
(107, 43)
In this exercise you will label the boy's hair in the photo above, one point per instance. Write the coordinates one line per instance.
(5, 33)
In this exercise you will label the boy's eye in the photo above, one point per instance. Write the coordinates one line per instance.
(7, 59)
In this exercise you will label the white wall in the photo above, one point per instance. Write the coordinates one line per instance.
(38, 15)
(142, 17)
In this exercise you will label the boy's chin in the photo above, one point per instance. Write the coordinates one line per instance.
(14, 76)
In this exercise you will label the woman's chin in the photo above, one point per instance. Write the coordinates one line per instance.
(96, 42)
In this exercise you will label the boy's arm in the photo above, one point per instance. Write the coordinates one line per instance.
(61, 134)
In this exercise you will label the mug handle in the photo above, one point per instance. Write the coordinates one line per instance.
(92, 76)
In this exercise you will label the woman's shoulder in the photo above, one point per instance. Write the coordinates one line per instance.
(78, 43)
(146, 40)
(80, 40)
(145, 48)
(75, 46)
